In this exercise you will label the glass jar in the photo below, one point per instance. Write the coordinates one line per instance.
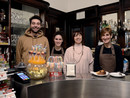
(37, 71)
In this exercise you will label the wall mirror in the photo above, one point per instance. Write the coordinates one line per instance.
(127, 20)
(108, 17)
(127, 15)
(111, 19)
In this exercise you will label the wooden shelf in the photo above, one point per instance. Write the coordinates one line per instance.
(3, 33)
(3, 45)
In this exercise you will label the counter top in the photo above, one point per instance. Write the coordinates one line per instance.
(45, 87)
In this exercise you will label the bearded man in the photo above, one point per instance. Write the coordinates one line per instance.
(32, 36)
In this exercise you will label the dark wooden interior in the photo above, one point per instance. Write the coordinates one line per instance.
(67, 22)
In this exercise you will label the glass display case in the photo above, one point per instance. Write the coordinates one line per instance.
(19, 24)
(127, 28)
(127, 39)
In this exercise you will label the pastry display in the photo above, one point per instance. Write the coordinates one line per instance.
(37, 65)
(101, 72)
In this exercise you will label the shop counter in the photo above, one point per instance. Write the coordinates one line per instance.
(81, 86)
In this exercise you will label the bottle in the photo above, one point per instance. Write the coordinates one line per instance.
(105, 24)
(119, 24)
(100, 28)
(120, 30)
(0, 28)
(125, 68)
(3, 30)
(2, 11)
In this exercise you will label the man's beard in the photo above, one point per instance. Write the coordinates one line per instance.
(35, 31)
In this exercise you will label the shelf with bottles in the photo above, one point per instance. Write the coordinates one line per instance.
(4, 36)
(4, 41)
(3, 13)
(4, 10)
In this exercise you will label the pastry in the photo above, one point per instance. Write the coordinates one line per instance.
(101, 72)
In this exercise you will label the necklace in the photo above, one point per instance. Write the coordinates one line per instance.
(77, 52)
(77, 61)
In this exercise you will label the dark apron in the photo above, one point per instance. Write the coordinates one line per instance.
(108, 61)
(62, 55)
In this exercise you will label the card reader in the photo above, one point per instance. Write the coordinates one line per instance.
(21, 77)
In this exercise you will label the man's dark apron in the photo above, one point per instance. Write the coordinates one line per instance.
(62, 51)
(108, 61)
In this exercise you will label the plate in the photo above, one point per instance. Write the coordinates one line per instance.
(94, 73)
(117, 74)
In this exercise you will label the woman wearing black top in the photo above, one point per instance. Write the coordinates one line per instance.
(108, 56)
(58, 49)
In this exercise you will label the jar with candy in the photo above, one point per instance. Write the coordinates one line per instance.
(37, 65)
(55, 66)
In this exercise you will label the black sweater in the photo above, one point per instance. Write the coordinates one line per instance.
(118, 53)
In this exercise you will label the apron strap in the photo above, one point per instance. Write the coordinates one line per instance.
(102, 47)
(52, 52)
(112, 49)
(62, 50)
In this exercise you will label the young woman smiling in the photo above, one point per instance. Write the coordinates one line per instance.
(59, 45)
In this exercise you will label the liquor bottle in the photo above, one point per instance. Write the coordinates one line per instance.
(104, 24)
(120, 29)
(3, 29)
(0, 28)
(119, 24)
(2, 14)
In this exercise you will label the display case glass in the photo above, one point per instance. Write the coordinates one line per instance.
(19, 24)
(127, 28)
